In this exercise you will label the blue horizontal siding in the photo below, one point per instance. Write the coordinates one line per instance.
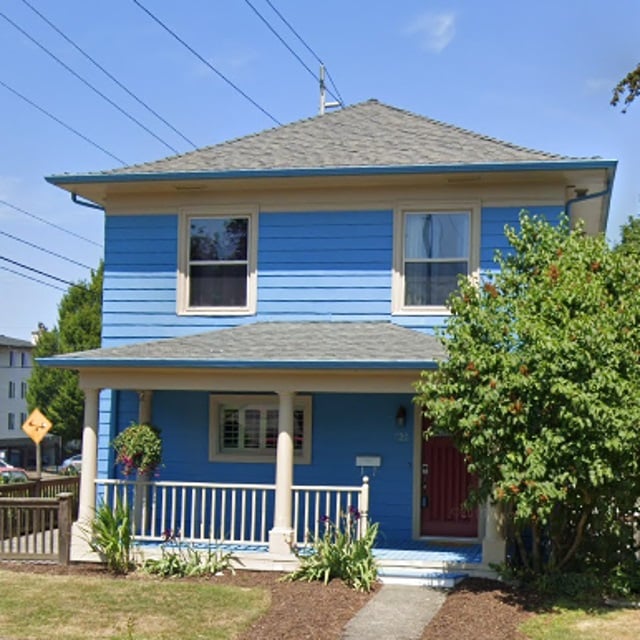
(319, 265)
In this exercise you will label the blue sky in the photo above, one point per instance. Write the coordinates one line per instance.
(538, 74)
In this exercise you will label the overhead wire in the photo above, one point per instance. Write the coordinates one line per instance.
(308, 48)
(47, 251)
(109, 75)
(51, 224)
(42, 273)
(269, 26)
(60, 122)
(206, 62)
(28, 277)
(88, 84)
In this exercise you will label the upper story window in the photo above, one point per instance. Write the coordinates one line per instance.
(13, 358)
(24, 359)
(12, 389)
(23, 390)
(244, 428)
(217, 274)
(433, 248)
(11, 421)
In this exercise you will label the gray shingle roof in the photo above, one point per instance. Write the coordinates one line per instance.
(276, 344)
(368, 134)
(6, 341)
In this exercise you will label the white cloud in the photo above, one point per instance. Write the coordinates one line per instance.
(435, 30)
(598, 85)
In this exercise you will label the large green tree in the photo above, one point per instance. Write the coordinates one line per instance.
(541, 392)
(55, 391)
(629, 85)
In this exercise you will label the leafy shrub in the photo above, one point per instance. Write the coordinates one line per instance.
(339, 553)
(111, 536)
(181, 560)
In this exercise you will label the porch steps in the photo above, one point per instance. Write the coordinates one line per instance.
(420, 577)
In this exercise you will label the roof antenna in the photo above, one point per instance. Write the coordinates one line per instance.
(324, 105)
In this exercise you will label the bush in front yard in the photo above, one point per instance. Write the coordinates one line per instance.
(339, 553)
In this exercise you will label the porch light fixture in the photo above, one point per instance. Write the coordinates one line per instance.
(401, 417)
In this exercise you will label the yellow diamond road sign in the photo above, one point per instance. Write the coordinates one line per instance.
(36, 426)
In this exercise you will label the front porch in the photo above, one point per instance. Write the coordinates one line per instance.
(237, 519)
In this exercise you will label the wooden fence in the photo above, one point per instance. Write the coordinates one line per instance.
(36, 519)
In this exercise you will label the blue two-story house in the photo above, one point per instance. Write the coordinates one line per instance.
(269, 303)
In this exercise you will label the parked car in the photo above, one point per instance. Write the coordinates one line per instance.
(12, 475)
(72, 465)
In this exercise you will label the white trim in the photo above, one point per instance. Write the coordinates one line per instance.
(217, 454)
(473, 207)
(217, 211)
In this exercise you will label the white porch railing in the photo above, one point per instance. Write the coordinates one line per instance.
(229, 513)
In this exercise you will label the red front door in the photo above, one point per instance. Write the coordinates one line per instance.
(445, 484)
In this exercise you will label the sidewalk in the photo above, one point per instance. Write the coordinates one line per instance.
(396, 612)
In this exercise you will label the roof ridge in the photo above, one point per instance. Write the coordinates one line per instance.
(475, 134)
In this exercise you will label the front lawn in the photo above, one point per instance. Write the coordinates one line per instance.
(73, 607)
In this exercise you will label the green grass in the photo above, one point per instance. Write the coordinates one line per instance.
(79, 607)
(582, 623)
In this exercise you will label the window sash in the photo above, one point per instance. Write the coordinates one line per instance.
(254, 429)
(436, 251)
(218, 261)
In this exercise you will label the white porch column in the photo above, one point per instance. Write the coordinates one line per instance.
(87, 506)
(494, 545)
(144, 406)
(281, 536)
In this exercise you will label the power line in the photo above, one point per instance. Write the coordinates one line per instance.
(282, 40)
(47, 251)
(64, 124)
(88, 84)
(24, 275)
(207, 63)
(109, 75)
(51, 224)
(308, 48)
(42, 273)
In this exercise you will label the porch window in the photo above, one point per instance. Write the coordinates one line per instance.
(245, 428)
(434, 247)
(217, 272)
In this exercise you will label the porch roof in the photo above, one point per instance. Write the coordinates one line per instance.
(273, 345)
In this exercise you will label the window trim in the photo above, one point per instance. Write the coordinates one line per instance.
(471, 207)
(233, 211)
(216, 454)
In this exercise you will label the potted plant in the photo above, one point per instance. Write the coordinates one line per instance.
(138, 448)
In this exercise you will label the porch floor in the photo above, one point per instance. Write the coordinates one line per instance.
(409, 551)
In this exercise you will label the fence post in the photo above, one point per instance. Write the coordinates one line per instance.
(65, 519)
(364, 506)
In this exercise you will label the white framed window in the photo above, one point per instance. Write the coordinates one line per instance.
(11, 421)
(23, 390)
(433, 246)
(217, 262)
(24, 359)
(244, 428)
(12, 389)
(12, 358)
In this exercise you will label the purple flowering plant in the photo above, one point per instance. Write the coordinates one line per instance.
(343, 550)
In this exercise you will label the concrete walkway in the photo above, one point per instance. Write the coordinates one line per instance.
(396, 612)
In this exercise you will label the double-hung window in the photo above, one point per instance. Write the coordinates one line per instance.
(217, 274)
(434, 249)
(244, 428)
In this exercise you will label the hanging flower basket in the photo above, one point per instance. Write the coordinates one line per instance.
(138, 448)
